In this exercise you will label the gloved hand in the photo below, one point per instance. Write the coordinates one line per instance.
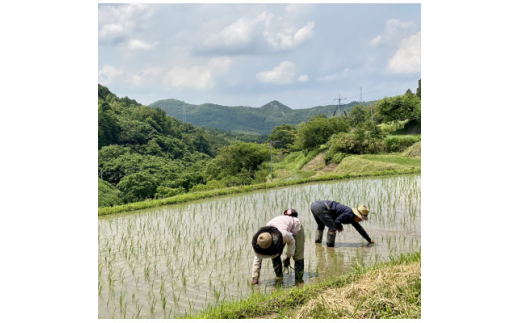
(255, 281)
(287, 262)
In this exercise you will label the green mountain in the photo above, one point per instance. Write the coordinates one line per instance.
(246, 119)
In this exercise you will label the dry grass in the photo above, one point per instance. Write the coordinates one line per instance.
(385, 290)
(316, 163)
(356, 165)
(381, 293)
(413, 151)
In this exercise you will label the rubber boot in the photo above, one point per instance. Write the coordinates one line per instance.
(298, 269)
(331, 238)
(319, 236)
(277, 266)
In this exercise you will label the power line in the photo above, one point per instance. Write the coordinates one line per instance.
(360, 95)
(386, 87)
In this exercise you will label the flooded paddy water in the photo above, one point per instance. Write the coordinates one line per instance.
(167, 261)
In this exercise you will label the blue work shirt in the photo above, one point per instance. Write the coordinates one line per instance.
(343, 214)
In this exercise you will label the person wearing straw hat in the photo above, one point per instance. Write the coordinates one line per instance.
(333, 215)
(270, 240)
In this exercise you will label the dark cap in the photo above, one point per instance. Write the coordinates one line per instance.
(291, 212)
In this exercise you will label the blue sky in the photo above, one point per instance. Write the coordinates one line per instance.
(302, 55)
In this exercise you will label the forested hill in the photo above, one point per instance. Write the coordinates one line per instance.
(245, 119)
(143, 151)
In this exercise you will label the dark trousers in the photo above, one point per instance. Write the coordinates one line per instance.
(322, 216)
(277, 266)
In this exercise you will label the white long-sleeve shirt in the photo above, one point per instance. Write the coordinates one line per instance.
(288, 227)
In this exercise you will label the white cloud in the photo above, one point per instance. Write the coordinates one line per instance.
(120, 20)
(146, 76)
(247, 32)
(293, 7)
(374, 42)
(284, 37)
(108, 74)
(297, 9)
(304, 33)
(198, 76)
(395, 31)
(134, 44)
(407, 59)
(333, 77)
(123, 13)
(111, 30)
(237, 35)
(303, 78)
(281, 74)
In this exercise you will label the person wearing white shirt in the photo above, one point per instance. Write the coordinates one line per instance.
(271, 239)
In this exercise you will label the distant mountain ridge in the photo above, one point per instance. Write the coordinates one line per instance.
(246, 119)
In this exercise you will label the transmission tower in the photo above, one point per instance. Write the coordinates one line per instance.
(339, 103)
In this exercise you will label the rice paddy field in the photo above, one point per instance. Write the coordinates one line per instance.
(174, 260)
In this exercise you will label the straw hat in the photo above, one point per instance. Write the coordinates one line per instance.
(361, 212)
(264, 240)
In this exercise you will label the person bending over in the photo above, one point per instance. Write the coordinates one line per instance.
(333, 215)
(271, 239)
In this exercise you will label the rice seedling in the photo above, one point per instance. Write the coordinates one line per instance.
(170, 261)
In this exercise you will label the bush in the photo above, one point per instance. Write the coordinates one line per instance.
(108, 195)
(163, 192)
(375, 147)
(239, 160)
(318, 130)
(337, 158)
(400, 143)
(344, 143)
(366, 138)
(137, 187)
(241, 178)
(263, 173)
(211, 185)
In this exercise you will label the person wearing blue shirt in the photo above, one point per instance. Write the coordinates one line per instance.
(333, 215)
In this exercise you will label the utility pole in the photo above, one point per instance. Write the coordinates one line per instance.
(271, 150)
(339, 103)
(183, 112)
(360, 95)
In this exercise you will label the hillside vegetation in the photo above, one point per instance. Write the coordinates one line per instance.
(246, 119)
(144, 153)
(148, 158)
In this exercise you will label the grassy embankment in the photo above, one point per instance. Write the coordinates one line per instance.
(385, 290)
(296, 168)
